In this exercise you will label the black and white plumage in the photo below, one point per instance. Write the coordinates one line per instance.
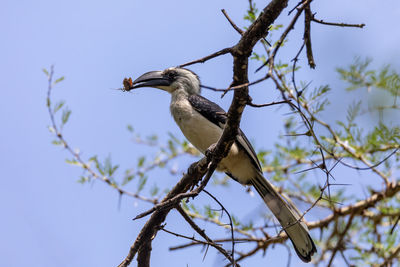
(202, 123)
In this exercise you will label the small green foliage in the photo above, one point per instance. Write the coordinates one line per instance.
(154, 190)
(171, 147)
(109, 168)
(83, 179)
(356, 73)
(73, 162)
(174, 138)
(284, 68)
(256, 56)
(141, 183)
(65, 116)
(252, 13)
(209, 212)
(193, 208)
(129, 128)
(127, 177)
(141, 161)
(235, 220)
(382, 136)
(152, 138)
(317, 99)
(106, 168)
(359, 76)
(275, 27)
(261, 156)
(247, 227)
(46, 72)
(58, 106)
(352, 112)
(56, 142)
(59, 80)
(185, 207)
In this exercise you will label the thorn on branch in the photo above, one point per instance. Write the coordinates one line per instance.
(394, 225)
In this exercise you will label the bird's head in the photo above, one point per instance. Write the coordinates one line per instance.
(169, 80)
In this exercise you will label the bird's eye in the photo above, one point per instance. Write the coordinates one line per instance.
(171, 74)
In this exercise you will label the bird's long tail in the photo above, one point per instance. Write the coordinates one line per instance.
(288, 216)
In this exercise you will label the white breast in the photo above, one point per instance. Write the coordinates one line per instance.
(202, 134)
(198, 130)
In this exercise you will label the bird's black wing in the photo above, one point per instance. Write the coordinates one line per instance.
(208, 109)
(217, 115)
(245, 143)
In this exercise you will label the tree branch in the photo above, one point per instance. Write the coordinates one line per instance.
(149, 230)
(206, 58)
(358, 207)
(320, 21)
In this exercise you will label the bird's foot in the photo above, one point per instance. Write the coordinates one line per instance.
(210, 151)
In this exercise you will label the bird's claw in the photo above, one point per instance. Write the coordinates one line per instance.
(210, 150)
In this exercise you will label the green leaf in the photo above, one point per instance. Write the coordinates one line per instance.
(275, 27)
(56, 142)
(173, 138)
(142, 182)
(73, 162)
(99, 166)
(171, 147)
(235, 221)
(185, 207)
(154, 190)
(83, 179)
(45, 72)
(108, 167)
(141, 161)
(353, 111)
(65, 116)
(127, 179)
(58, 106)
(130, 128)
(59, 80)
(247, 227)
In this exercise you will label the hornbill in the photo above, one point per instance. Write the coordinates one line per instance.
(202, 123)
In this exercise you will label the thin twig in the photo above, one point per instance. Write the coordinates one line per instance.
(339, 244)
(240, 31)
(203, 234)
(206, 58)
(230, 223)
(251, 104)
(361, 25)
(77, 156)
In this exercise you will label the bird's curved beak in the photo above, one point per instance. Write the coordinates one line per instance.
(151, 79)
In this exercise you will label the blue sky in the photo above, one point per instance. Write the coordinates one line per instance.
(48, 219)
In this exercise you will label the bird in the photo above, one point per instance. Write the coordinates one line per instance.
(202, 123)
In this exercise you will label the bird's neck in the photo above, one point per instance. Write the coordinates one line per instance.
(180, 107)
(179, 94)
